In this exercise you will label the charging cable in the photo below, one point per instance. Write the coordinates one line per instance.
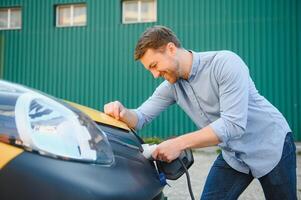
(188, 179)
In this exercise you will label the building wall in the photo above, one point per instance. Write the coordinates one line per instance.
(1, 55)
(94, 64)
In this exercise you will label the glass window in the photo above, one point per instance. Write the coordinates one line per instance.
(130, 11)
(139, 11)
(10, 18)
(79, 15)
(3, 18)
(64, 15)
(71, 15)
(15, 17)
(148, 11)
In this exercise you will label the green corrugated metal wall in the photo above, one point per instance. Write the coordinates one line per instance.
(1, 55)
(93, 65)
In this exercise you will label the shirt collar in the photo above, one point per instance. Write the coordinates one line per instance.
(195, 64)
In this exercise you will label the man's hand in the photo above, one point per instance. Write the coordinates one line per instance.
(171, 149)
(168, 150)
(115, 109)
(119, 112)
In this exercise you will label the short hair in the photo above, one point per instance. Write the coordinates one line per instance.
(155, 38)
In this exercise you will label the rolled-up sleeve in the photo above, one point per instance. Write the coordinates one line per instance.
(158, 102)
(232, 76)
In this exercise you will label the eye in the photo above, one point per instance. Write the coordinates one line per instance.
(153, 66)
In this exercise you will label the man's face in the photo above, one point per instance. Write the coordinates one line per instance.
(162, 63)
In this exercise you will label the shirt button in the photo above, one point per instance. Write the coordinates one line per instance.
(202, 114)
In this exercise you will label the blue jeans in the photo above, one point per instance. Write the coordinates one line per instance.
(223, 182)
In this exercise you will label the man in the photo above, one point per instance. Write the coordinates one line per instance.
(216, 91)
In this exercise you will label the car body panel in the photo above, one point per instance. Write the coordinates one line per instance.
(7, 153)
(32, 176)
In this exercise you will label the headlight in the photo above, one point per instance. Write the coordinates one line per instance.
(49, 127)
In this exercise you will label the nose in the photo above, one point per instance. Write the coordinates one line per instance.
(156, 74)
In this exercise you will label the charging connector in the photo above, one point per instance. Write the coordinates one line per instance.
(148, 149)
(173, 170)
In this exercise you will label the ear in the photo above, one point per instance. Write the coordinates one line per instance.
(171, 48)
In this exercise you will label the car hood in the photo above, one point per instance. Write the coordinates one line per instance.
(99, 117)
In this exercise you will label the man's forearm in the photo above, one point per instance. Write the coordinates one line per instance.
(171, 149)
(202, 138)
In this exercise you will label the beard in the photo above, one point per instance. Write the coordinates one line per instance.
(170, 80)
(171, 77)
(174, 75)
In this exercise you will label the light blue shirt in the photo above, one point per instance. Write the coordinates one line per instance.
(220, 93)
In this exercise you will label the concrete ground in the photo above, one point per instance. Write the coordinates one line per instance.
(203, 159)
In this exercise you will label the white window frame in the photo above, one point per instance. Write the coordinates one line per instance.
(71, 15)
(139, 12)
(9, 17)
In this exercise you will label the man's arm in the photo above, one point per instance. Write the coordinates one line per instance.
(162, 97)
(171, 149)
(232, 76)
(151, 108)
